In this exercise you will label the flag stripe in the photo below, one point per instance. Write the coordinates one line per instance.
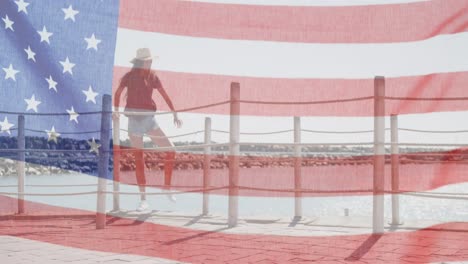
(295, 60)
(190, 90)
(327, 176)
(349, 24)
(309, 2)
(199, 246)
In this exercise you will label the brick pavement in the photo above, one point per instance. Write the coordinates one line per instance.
(129, 240)
(16, 250)
(164, 236)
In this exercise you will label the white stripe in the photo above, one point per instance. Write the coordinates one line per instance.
(309, 2)
(447, 121)
(445, 53)
(190, 204)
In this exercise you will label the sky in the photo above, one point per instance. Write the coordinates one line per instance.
(443, 53)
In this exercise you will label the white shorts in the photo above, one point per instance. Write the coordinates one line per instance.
(140, 125)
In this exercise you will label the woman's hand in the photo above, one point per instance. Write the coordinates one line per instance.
(115, 115)
(177, 121)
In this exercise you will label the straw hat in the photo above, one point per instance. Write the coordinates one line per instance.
(143, 54)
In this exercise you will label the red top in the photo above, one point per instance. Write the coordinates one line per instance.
(140, 87)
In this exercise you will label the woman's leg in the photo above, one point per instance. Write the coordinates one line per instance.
(137, 144)
(159, 138)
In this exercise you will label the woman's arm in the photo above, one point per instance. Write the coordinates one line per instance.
(162, 91)
(118, 93)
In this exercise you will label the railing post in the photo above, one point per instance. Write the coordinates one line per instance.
(395, 151)
(116, 176)
(234, 152)
(379, 155)
(206, 166)
(103, 166)
(297, 168)
(20, 163)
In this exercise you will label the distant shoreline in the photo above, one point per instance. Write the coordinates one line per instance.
(252, 156)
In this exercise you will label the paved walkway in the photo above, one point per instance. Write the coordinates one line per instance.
(15, 250)
(165, 237)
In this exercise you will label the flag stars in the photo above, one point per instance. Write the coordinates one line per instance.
(30, 54)
(73, 114)
(92, 42)
(94, 146)
(52, 135)
(32, 103)
(90, 95)
(10, 73)
(45, 35)
(52, 83)
(22, 6)
(5, 126)
(67, 66)
(70, 13)
(8, 23)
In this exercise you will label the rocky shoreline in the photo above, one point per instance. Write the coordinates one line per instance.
(39, 163)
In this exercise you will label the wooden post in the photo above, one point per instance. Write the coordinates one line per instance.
(116, 176)
(395, 171)
(20, 163)
(379, 155)
(206, 166)
(103, 166)
(297, 169)
(234, 152)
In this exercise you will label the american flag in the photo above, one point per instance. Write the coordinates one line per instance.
(63, 56)
(57, 57)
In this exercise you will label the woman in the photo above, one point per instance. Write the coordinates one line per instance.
(140, 82)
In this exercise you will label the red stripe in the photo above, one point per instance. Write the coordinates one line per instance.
(320, 177)
(445, 242)
(349, 24)
(189, 90)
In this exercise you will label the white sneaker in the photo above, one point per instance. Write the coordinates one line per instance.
(143, 206)
(170, 197)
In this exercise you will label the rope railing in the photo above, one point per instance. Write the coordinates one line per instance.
(65, 133)
(337, 132)
(307, 144)
(177, 110)
(160, 149)
(264, 133)
(446, 195)
(174, 136)
(242, 101)
(171, 192)
(438, 195)
(345, 132)
(256, 133)
(53, 185)
(181, 147)
(67, 158)
(426, 98)
(43, 150)
(329, 131)
(457, 197)
(307, 102)
(52, 114)
(429, 144)
(434, 131)
(49, 194)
